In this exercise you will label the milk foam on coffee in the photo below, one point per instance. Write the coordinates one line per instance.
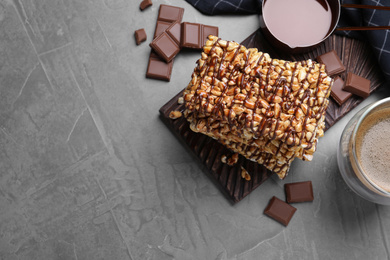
(373, 147)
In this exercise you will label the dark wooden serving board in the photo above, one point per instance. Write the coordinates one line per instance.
(209, 153)
(356, 57)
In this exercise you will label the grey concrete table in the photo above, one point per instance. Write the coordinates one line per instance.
(89, 171)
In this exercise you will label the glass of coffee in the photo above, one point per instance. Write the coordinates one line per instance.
(363, 156)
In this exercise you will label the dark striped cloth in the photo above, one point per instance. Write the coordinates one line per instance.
(378, 39)
(214, 7)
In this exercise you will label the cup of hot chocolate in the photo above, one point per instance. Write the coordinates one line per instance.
(364, 152)
(300, 25)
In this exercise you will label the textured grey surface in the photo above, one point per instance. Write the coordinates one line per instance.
(89, 171)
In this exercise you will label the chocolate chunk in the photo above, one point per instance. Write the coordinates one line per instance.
(357, 85)
(175, 31)
(145, 4)
(337, 92)
(170, 13)
(209, 30)
(140, 36)
(158, 68)
(299, 191)
(165, 47)
(333, 64)
(280, 210)
(161, 27)
(191, 35)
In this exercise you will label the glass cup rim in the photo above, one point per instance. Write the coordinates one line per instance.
(353, 138)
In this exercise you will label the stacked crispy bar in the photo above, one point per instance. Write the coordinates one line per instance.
(270, 111)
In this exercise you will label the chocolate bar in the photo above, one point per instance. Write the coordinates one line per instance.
(299, 191)
(194, 35)
(357, 85)
(333, 64)
(337, 92)
(140, 36)
(280, 210)
(165, 46)
(158, 68)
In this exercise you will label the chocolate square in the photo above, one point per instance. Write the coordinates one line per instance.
(337, 92)
(209, 30)
(175, 31)
(158, 68)
(140, 36)
(165, 47)
(333, 64)
(161, 27)
(191, 35)
(357, 85)
(299, 191)
(170, 13)
(280, 210)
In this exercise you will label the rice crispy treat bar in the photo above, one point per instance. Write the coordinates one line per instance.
(244, 98)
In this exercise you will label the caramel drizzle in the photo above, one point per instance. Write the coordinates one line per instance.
(320, 111)
(242, 85)
(198, 98)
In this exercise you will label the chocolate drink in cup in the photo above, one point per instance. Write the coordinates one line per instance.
(307, 22)
(299, 25)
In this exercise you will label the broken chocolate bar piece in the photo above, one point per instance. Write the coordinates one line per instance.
(299, 191)
(280, 210)
(333, 64)
(140, 36)
(170, 13)
(165, 47)
(194, 35)
(337, 92)
(145, 4)
(175, 31)
(357, 85)
(158, 68)
(167, 15)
